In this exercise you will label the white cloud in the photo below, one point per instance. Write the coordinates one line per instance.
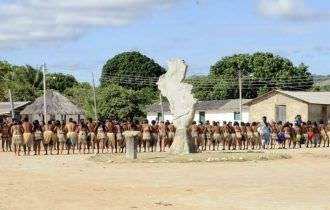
(33, 22)
(294, 10)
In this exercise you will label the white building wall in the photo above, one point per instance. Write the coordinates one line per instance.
(211, 115)
(154, 116)
(217, 115)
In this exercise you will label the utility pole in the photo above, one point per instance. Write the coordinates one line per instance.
(161, 106)
(240, 95)
(45, 99)
(11, 105)
(94, 95)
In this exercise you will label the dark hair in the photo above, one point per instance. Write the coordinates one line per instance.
(26, 119)
(57, 123)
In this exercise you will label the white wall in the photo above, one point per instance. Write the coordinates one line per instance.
(217, 115)
(211, 115)
(154, 115)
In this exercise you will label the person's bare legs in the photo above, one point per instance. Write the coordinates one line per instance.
(3, 145)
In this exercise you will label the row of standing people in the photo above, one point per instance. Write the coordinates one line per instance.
(86, 137)
(259, 135)
(108, 135)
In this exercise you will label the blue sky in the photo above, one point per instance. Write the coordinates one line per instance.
(77, 37)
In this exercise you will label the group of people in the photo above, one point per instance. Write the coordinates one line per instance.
(55, 137)
(262, 135)
(107, 136)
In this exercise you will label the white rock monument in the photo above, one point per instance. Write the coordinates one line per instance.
(182, 105)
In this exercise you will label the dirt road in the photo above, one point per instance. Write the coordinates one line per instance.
(74, 182)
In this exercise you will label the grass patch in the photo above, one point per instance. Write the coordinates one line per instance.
(190, 158)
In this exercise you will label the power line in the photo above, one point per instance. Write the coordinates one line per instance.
(209, 83)
(214, 80)
(245, 87)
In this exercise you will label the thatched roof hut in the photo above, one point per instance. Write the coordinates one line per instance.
(57, 104)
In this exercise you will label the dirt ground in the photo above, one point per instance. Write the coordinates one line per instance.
(79, 182)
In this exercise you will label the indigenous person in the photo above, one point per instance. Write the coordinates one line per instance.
(297, 135)
(71, 135)
(244, 137)
(119, 137)
(216, 130)
(140, 136)
(91, 137)
(280, 135)
(171, 133)
(100, 136)
(54, 142)
(256, 136)
(208, 135)
(5, 136)
(48, 138)
(146, 135)
(202, 135)
(110, 129)
(162, 136)
(316, 134)
(310, 134)
(27, 136)
(37, 137)
(274, 135)
(233, 139)
(195, 131)
(304, 132)
(226, 135)
(288, 133)
(237, 136)
(323, 134)
(82, 136)
(17, 136)
(59, 130)
(249, 136)
(154, 136)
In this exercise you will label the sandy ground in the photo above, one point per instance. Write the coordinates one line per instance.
(76, 182)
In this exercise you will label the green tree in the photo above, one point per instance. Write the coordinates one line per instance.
(127, 70)
(59, 81)
(261, 72)
(24, 81)
(82, 95)
(116, 102)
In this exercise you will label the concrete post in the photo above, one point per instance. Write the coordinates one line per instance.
(131, 144)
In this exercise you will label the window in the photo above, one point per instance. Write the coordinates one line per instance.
(159, 116)
(202, 117)
(237, 116)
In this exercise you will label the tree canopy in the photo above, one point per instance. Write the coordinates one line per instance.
(261, 72)
(26, 82)
(120, 103)
(59, 81)
(130, 70)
